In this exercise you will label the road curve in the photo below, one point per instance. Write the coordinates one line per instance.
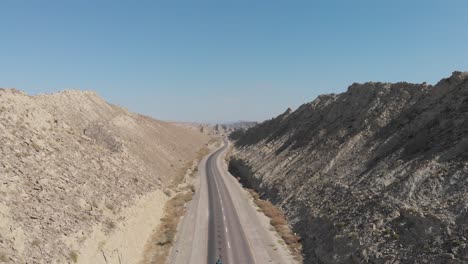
(222, 222)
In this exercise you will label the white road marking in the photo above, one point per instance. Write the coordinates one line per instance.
(226, 229)
(229, 245)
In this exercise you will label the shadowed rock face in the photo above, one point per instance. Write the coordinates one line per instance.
(377, 174)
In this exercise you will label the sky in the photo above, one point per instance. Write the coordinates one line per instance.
(219, 60)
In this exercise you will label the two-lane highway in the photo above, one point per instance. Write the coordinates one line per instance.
(227, 240)
(222, 222)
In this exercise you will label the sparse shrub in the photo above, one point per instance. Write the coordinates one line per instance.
(103, 136)
(94, 204)
(35, 242)
(192, 188)
(167, 192)
(164, 236)
(73, 256)
(35, 146)
(3, 257)
(353, 235)
(110, 224)
(340, 225)
(387, 231)
(101, 244)
(456, 243)
(110, 206)
(279, 223)
(277, 220)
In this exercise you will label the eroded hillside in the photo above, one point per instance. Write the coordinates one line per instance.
(71, 163)
(378, 174)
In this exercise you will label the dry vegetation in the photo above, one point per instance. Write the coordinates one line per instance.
(377, 174)
(3, 257)
(161, 241)
(180, 176)
(278, 221)
(74, 256)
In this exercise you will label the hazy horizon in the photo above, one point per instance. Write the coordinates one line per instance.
(221, 62)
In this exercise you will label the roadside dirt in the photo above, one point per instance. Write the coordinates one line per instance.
(181, 191)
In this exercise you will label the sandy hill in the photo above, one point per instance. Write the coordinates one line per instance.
(378, 174)
(70, 162)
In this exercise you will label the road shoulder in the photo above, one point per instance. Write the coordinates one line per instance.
(263, 239)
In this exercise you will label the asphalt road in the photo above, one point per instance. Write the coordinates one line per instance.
(222, 222)
(227, 240)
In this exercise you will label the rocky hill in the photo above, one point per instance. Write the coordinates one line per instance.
(71, 163)
(378, 174)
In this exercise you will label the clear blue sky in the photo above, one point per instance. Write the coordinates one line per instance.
(226, 60)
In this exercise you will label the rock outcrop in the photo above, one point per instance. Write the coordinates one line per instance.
(71, 162)
(378, 174)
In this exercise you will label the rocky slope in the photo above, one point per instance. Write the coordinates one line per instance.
(70, 162)
(378, 174)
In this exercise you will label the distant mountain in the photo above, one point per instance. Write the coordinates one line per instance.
(241, 124)
(236, 125)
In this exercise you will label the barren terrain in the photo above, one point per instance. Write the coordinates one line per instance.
(81, 179)
(378, 174)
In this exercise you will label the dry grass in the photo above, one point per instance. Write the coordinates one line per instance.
(180, 176)
(161, 241)
(228, 155)
(278, 221)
